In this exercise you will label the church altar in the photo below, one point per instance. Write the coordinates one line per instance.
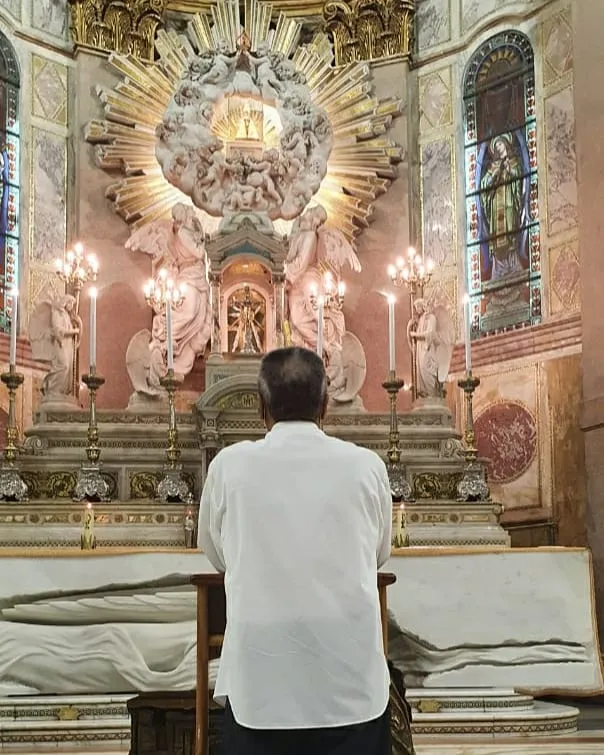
(469, 628)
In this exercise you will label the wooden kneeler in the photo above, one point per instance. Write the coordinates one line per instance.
(211, 623)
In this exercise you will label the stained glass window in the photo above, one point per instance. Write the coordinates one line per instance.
(502, 208)
(9, 177)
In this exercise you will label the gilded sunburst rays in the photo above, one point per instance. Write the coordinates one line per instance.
(363, 158)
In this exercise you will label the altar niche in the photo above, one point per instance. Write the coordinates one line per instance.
(247, 281)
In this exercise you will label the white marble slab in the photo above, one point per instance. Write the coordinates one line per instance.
(98, 624)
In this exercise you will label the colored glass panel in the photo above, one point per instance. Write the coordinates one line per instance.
(502, 193)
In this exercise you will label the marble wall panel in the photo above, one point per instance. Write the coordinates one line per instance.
(435, 100)
(475, 11)
(564, 278)
(13, 7)
(51, 17)
(48, 220)
(438, 207)
(508, 435)
(560, 146)
(49, 90)
(433, 23)
(568, 451)
(557, 45)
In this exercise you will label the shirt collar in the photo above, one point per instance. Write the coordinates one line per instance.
(294, 428)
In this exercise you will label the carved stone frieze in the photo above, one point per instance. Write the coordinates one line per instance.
(370, 29)
(128, 28)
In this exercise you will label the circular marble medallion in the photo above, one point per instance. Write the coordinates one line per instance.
(506, 435)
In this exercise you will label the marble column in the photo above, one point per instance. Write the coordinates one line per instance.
(588, 22)
(278, 309)
(216, 337)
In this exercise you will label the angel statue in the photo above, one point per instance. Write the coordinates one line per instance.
(315, 251)
(431, 337)
(54, 332)
(177, 246)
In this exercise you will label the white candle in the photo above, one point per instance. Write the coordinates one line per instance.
(92, 329)
(169, 333)
(320, 326)
(468, 333)
(391, 341)
(13, 328)
(399, 523)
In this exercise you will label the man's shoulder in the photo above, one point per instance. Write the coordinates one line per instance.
(357, 454)
(235, 451)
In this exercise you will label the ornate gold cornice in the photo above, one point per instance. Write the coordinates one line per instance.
(370, 29)
(297, 8)
(127, 27)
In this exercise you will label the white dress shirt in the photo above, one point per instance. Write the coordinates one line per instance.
(300, 523)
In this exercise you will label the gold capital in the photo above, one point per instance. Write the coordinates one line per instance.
(370, 29)
(127, 27)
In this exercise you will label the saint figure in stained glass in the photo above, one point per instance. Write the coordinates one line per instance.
(503, 245)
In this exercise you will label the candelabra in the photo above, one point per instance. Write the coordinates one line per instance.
(399, 485)
(172, 487)
(12, 486)
(90, 484)
(75, 270)
(331, 296)
(161, 290)
(414, 273)
(473, 486)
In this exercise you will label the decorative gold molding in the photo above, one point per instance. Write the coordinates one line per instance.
(296, 8)
(128, 28)
(370, 29)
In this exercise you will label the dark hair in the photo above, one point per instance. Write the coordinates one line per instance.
(292, 384)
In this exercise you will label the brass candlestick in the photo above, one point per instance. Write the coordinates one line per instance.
(90, 485)
(473, 486)
(399, 485)
(12, 486)
(172, 487)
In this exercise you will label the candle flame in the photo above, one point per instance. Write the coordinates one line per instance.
(466, 298)
(93, 293)
(391, 298)
(79, 248)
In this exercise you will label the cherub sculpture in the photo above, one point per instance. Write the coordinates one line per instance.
(177, 246)
(431, 337)
(315, 250)
(54, 332)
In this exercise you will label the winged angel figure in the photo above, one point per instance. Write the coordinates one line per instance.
(431, 337)
(177, 246)
(54, 332)
(314, 251)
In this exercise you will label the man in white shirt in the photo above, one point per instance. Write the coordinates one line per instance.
(300, 523)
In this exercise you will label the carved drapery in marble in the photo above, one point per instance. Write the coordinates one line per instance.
(370, 29)
(115, 26)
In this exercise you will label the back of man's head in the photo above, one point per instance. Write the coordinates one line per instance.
(292, 385)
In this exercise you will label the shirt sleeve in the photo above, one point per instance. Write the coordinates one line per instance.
(385, 503)
(211, 512)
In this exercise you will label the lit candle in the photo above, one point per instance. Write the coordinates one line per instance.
(169, 330)
(399, 522)
(391, 342)
(341, 289)
(13, 328)
(92, 328)
(320, 325)
(468, 333)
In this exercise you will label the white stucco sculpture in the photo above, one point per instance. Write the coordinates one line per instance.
(277, 180)
(178, 247)
(431, 337)
(54, 331)
(314, 252)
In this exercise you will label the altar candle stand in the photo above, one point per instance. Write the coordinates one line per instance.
(473, 486)
(12, 486)
(211, 624)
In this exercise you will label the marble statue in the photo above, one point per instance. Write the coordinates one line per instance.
(278, 183)
(431, 337)
(314, 251)
(177, 246)
(54, 331)
(126, 623)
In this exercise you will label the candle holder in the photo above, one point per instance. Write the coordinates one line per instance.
(473, 486)
(172, 488)
(401, 536)
(12, 486)
(90, 484)
(88, 538)
(399, 485)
